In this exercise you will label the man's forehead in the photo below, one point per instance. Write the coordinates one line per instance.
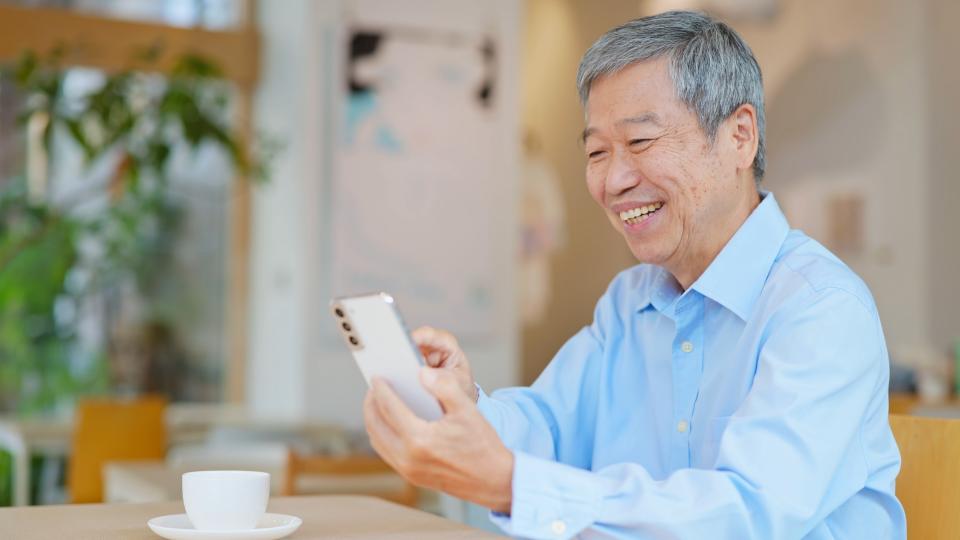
(641, 118)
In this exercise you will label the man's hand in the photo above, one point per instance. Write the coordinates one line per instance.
(441, 350)
(460, 454)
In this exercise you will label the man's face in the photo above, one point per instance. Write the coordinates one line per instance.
(664, 187)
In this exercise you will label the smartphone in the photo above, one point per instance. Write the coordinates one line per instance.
(374, 332)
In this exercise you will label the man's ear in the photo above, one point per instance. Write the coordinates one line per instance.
(741, 130)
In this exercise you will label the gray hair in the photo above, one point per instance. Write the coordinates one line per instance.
(713, 69)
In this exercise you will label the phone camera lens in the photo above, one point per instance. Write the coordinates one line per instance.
(346, 326)
(354, 340)
(339, 312)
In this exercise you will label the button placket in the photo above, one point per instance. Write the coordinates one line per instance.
(687, 353)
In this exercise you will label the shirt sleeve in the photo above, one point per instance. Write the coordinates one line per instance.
(789, 456)
(550, 418)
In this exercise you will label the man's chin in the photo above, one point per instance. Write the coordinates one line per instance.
(646, 255)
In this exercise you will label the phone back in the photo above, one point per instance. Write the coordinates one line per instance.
(382, 347)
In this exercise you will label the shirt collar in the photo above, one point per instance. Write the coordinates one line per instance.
(737, 275)
(661, 291)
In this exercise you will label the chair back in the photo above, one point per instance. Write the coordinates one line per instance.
(113, 430)
(352, 473)
(929, 482)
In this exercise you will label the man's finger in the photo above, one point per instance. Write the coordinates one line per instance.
(382, 437)
(427, 336)
(393, 410)
(444, 386)
(437, 346)
(374, 422)
(433, 357)
(426, 341)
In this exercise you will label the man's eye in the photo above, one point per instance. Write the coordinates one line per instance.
(595, 154)
(634, 142)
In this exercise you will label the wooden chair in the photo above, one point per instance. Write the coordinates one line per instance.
(352, 474)
(903, 403)
(113, 430)
(929, 481)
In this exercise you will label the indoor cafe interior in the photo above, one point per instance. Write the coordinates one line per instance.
(187, 186)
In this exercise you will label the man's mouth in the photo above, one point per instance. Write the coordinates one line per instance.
(640, 213)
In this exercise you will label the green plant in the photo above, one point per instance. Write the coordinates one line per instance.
(6, 478)
(133, 122)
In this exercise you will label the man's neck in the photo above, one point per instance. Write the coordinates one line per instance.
(696, 263)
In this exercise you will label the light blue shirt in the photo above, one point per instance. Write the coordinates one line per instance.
(752, 405)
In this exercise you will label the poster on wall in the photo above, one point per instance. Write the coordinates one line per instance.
(417, 182)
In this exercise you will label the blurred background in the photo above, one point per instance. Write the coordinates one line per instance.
(184, 184)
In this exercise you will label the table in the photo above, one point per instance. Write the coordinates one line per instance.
(324, 517)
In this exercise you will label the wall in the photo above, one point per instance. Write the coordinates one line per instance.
(851, 108)
(556, 34)
(845, 115)
(860, 100)
(297, 368)
(284, 213)
(942, 42)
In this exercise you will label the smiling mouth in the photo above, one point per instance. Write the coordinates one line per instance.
(639, 214)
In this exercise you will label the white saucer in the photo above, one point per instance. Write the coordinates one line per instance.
(270, 526)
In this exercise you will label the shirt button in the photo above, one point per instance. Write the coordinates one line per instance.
(558, 527)
(686, 346)
(682, 426)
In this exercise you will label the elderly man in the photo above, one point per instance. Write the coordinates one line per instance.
(732, 385)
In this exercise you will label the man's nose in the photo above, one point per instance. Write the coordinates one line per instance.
(622, 175)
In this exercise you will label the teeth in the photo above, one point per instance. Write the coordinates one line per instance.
(636, 215)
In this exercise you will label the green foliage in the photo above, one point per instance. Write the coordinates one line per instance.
(141, 118)
(30, 342)
(6, 478)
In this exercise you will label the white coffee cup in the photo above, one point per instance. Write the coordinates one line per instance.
(225, 500)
